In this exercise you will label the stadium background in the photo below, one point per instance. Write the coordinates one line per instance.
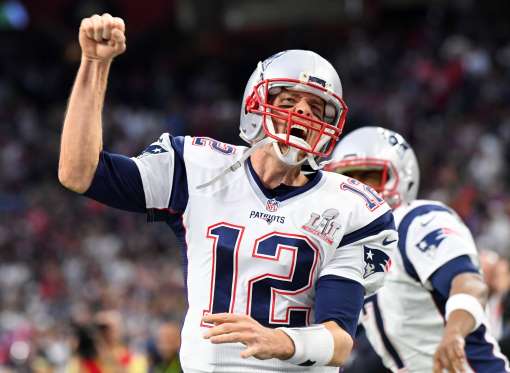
(436, 71)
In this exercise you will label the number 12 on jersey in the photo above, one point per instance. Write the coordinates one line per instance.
(263, 288)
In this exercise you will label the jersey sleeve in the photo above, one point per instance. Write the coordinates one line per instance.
(364, 255)
(163, 174)
(117, 183)
(442, 278)
(433, 239)
(344, 309)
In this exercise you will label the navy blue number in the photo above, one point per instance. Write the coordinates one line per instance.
(372, 199)
(227, 238)
(263, 290)
(214, 144)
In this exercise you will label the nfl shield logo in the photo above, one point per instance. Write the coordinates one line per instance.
(272, 205)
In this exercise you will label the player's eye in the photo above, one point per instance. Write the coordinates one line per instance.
(318, 112)
(288, 101)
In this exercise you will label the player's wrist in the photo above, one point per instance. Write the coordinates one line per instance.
(463, 312)
(88, 59)
(285, 345)
(460, 322)
(313, 345)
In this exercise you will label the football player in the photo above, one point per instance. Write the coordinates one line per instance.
(429, 316)
(267, 249)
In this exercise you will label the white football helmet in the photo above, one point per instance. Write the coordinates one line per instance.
(380, 149)
(298, 70)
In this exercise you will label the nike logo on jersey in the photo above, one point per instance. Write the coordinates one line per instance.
(386, 242)
(428, 222)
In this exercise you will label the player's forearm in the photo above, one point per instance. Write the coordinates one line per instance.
(461, 321)
(343, 344)
(82, 133)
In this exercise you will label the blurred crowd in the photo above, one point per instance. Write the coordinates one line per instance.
(439, 76)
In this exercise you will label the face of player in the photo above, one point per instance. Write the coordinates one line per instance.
(372, 178)
(303, 103)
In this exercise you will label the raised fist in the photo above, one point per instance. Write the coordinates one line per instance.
(102, 37)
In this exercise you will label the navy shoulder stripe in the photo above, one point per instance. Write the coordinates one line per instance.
(442, 278)
(382, 223)
(403, 229)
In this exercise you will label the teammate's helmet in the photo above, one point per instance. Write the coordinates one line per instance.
(298, 70)
(380, 149)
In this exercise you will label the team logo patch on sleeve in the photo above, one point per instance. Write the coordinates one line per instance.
(375, 261)
(153, 149)
(432, 240)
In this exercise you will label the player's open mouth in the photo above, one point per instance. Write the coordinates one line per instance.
(298, 131)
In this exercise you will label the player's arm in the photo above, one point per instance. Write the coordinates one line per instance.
(338, 303)
(101, 39)
(460, 282)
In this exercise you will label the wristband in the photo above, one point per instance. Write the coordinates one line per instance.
(467, 303)
(313, 345)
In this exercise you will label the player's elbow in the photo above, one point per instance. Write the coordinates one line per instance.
(77, 182)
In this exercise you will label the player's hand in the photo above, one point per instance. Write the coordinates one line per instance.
(450, 355)
(261, 342)
(102, 37)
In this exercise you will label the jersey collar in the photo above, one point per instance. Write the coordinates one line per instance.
(282, 192)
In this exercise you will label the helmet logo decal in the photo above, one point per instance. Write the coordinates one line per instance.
(399, 143)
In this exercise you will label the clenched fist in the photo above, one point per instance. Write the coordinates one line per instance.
(102, 37)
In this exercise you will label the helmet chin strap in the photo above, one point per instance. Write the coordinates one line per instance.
(313, 163)
(290, 157)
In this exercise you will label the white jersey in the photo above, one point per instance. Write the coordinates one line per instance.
(404, 321)
(248, 253)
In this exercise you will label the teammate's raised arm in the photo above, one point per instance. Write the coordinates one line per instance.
(101, 39)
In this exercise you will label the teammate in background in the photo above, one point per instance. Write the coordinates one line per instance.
(267, 248)
(429, 316)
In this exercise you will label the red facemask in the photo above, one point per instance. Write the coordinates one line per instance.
(327, 134)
